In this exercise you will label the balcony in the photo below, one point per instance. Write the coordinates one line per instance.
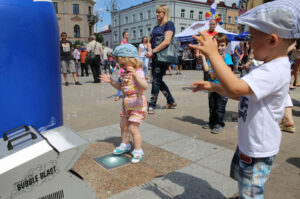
(92, 19)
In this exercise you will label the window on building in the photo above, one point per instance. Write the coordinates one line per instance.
(191, 14)
(133, 35)
(76, 31)
(133, 18)
(141, 17)
(55, 7)
(126, 20)
(200, 15)
(149, 14)
(115, 37)
(182, 13)
(229, 21)
(229, 30)
(75, 9)
(90, 30)
(106, 43)
(141, 33)
(115, 23)
(235, 31)
(235, 20)
(90, 10)
(182, 29)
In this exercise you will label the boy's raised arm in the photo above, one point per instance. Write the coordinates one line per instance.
(232, 85)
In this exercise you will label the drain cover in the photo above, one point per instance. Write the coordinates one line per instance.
(111, 161)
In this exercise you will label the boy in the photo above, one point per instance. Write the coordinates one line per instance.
(262, 92)
(217, 103)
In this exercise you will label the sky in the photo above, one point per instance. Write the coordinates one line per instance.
(101, 6)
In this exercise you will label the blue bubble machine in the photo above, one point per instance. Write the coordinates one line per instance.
(30, 82)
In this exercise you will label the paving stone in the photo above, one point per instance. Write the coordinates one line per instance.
(196, 182)
(191, 149)
(159, 136)
(144, 192)
(219, 162)
(99, 133)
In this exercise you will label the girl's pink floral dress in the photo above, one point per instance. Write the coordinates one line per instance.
(134, 101)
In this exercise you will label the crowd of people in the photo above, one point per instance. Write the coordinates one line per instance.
(262, 88)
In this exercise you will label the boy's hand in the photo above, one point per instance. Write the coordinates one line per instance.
(131, 71)
(105, 78)
(202, 85)
(206, 44)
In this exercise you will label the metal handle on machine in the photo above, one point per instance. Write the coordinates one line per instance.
(9, 144)
(5, 138)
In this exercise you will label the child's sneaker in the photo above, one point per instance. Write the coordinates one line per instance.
(137, 156)
(123, 148)
(217, 129)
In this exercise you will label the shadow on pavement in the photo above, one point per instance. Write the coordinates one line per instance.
(191, 119)
(296, 102)
(296, 113)
(187, 88)
(294, 161)
(231, 116)
(112, 140)
(194, 188)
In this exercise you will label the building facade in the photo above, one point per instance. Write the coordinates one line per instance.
(75, 17)
(106, 34)
(139, 20)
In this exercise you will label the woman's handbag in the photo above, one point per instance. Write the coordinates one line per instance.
(169, 55)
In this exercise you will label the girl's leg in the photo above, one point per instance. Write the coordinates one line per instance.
(124, 124)
(136, 135)
(137, 153)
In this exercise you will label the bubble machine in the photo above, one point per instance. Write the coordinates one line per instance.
(37, 153)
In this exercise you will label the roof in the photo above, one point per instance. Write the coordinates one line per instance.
(105, 31)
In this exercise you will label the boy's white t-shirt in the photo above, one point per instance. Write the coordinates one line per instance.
(259, 113)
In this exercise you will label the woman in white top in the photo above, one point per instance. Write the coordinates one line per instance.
(76, 56)
(143, 49)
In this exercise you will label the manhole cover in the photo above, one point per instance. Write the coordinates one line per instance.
(111, 161)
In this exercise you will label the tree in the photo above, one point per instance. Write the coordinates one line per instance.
(77, 42)
(99, 38)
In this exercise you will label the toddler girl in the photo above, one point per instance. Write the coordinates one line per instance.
(134, 105)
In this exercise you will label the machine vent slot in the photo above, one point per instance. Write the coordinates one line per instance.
(55, 195)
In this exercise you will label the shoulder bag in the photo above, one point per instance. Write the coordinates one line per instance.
(167, 55)
(90, 57)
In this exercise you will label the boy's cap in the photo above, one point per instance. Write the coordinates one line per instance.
(125, 50)
(281, 17)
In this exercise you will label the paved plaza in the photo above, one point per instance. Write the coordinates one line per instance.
(181, 160)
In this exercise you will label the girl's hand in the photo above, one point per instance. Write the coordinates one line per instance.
(105, 78)
(131, 70)
(206, 44)
(202, 85)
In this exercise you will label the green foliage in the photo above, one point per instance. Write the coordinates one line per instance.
(99, 38)
(77, 42)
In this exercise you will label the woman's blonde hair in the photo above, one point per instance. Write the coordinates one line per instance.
(165, 9)
(132, 61)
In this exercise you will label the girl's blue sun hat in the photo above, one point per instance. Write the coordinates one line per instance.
(126, 50)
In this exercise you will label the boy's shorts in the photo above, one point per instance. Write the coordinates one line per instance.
(68, 64)
(251, 174)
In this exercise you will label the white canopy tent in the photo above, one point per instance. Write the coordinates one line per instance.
(186, 35)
